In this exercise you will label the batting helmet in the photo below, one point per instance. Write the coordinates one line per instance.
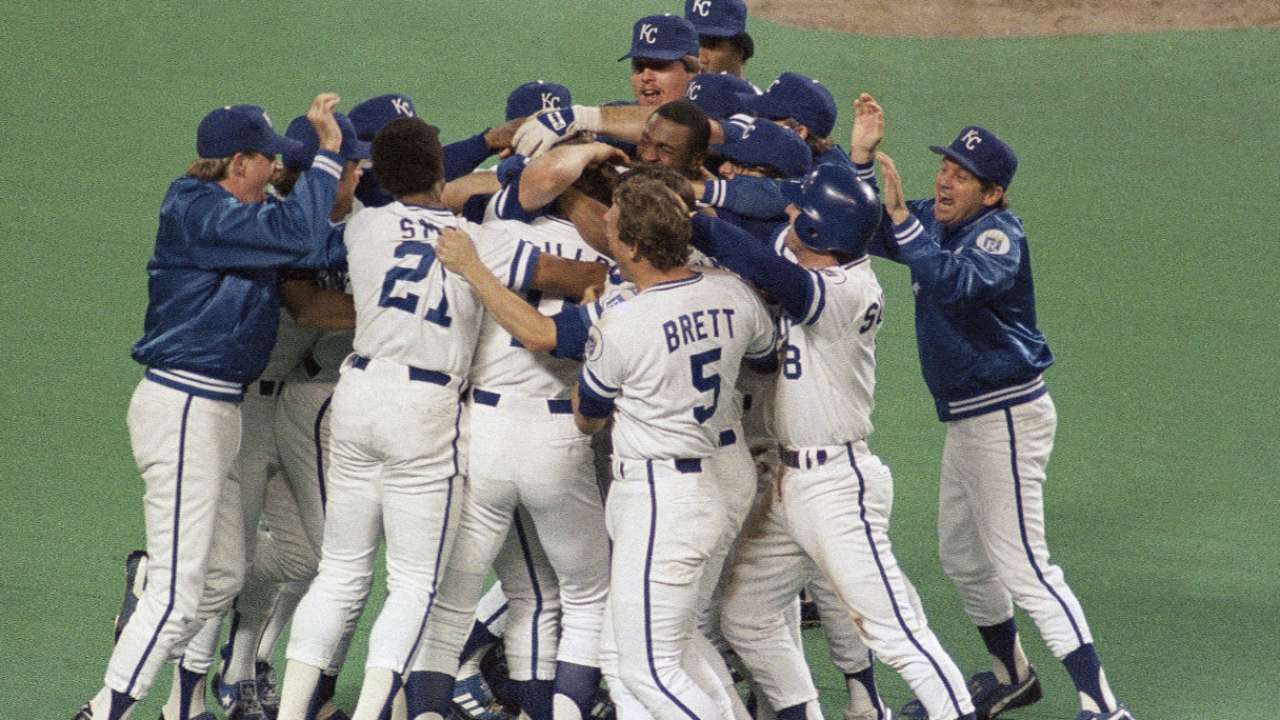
(838, 212)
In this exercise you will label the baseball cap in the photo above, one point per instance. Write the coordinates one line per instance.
(533, 97)
(662, 37)
(979, 151)
(371, 115)
(717, 18)
(300, 129)
(717, 93)
(772, 146)
(230, 129)
(794, 95)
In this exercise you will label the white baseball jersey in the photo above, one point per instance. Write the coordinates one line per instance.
(827, 386)
(409, 309)
(665, 356)
(501, 364)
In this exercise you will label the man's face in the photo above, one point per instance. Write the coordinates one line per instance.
(958, 194)
(342, 204)
(718, 55)
(257, 170)
(656, 82)
(666, 143)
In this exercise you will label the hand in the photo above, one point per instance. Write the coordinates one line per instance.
(893, 197)
(456, 250)
(868, 128)
(500, 139)
(321, 116)
(541, 132)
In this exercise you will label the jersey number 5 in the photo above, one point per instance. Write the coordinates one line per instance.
(426, 255)
(704, 382)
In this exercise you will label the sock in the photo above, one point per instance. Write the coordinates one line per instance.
(186, 695)
(1011, 664)
(536, 698)
(479, 638)
(298, 695)
(1091, 683)
(428, 692)
(864, 699)
(376, 694)
(326, 688)
(795, 712)
(111, 705)
(577, 685)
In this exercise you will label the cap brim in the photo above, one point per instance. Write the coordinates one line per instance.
(279, 145)
(664, 55)
(958, 159)
(721, 31)
(358, 150)
(759, 105)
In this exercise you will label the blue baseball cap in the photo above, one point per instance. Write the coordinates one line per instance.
(533, 97)
(717, 93)
(717, 18)
(373, 114)
(793, 95)
(353, 148)
(662, 37)
(979, 151)
(771, 146)
(230, 129)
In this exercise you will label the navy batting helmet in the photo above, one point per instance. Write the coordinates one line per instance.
(838, 212)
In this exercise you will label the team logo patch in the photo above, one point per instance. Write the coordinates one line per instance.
(594, 345)
(993, 242)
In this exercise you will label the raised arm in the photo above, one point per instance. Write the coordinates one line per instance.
(547, 177)
(797, 290)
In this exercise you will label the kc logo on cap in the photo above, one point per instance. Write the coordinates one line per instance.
(402, 106)
(702, 7)
(649, 33)
(971, 139)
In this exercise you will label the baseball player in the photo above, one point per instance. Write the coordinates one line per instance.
(416, 328)
(664, 57)
(209, 327)
(829, 511)
(983, 359)
(724, 46)
(663, 358)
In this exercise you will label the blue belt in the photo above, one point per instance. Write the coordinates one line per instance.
(791, 458)
(270, 388)
(435, 377)
(728, 437)
(692, 465)
(554, 406)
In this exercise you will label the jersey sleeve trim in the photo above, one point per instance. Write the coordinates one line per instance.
(591, 405)
(328, 165)
(523, 266)
(908, 230)
(818, 301)
(596, 385)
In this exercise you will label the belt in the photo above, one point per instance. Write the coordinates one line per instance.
(434, 377)
(690, 465)
(270, 388)
(728, 437)
(555, 406)
(797, 460)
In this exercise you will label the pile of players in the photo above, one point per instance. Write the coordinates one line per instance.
(391, 347)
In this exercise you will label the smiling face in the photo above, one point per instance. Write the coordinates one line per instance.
(667, 143)
(657, 82)
(959, 194)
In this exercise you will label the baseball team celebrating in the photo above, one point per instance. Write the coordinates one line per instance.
(630, 371)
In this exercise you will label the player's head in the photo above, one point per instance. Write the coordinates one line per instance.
(717, 94)
(408, 158)
(832, 211)
(237, 147)
(534, 97)
(352, 150)
(723, 42)
(802, 104)
(975, 173)
(369, 117)
(664, 57)
(648, 221)
(769, 150)
(676, 136)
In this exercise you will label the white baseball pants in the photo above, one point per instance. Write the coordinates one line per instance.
(991, 526)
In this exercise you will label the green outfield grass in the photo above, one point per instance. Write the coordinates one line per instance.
(1147, 165)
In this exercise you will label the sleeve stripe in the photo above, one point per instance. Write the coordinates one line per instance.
(523, 266)
(329, 166)
(819, 300)
(500, 202)
(594, 384)
(908, 232)
(717, 193)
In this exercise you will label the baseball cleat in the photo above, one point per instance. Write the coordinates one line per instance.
(329, 711)
(603, 708)
(240, 700)
(84, 713)
(1120, 713)
(473, 700)
(809, 617)
(265, 677)
(990, 697)
(135, 581)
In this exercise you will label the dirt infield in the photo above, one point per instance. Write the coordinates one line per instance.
(1007, 18)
